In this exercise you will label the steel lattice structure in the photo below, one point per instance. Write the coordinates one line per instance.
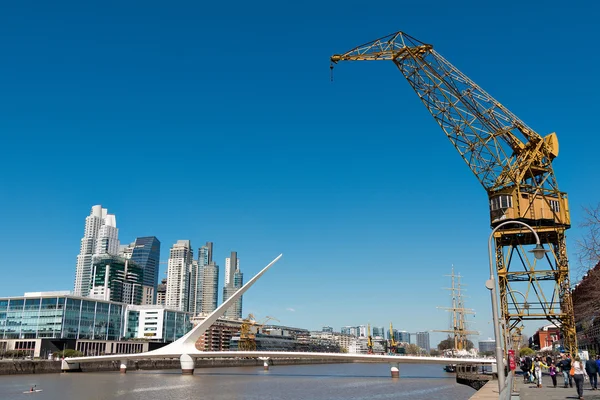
(514, 165)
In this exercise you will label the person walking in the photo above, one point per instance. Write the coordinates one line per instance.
(537, 370)
(525, 367)
(565, 367)
(579, 375)
(592, 370)
(552, 370)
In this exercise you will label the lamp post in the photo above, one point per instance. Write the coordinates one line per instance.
(539, 253)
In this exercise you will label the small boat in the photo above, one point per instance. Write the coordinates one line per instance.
(33, 391)
(450, 368)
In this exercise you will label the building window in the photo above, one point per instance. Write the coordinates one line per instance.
(502, 201)
(554, 205)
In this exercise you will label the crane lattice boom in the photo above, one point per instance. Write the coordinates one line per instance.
(510, 160)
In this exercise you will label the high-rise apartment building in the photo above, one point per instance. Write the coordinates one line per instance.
(210, 287)
(234, 281)
(347, 330)
(178, 276)
(378, 332)
(362, 331)
(229, 270)
(116, 279)
(403, 337)
(100, 237)
(161, 293)
(423, 341)
(205, 254)
(198, 277)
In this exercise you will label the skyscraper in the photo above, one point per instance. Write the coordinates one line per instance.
(146, 253)
(207, 294)
(210, 288)
(423, 341)
(116, 279)
(178, 276)
(234, 280)
(197, 277)
(403, 337)
(161, 293)
(205, 254)
(100, 237)
(378, 331)
(229, 271)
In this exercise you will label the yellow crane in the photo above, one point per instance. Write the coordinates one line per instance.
(369, 340)
(248, 332)
(393, 343)
(514, 165)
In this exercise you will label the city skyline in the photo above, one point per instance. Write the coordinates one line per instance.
(352, 180)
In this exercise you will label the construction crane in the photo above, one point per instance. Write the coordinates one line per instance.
(514, 165)
(261, 324)
(247, 335)
(250, 327)
(369, 340)
(393, 344)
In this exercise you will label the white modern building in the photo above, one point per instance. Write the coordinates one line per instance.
(362, 331)
(178, 274)
(156, 323)
(358, 346)
(100, 237)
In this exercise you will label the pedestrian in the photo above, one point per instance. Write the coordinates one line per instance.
(552, 370)
(525, 369)
(592, 370)
(565, 367)
(537, 370)
(579, 375)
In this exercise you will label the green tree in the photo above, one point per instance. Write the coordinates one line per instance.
(526, 351)
(68, 353)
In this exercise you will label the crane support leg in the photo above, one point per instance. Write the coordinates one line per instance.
(531, 289)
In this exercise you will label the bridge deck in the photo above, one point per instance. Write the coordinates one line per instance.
(157, 354)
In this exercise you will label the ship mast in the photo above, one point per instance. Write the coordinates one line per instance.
(459, 329)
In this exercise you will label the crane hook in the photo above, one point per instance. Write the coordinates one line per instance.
(331, 71)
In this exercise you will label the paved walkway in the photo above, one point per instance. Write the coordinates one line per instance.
(528, 391)
(488, 392)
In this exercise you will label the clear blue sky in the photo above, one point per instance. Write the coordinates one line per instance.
(217, 122)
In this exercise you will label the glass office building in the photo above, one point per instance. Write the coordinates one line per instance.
(60, 316)
(146, 253)
(117, 279)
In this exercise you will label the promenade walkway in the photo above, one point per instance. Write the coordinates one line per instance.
(529, 391)
(488, 392)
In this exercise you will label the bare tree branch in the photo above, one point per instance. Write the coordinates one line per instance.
(588, 247)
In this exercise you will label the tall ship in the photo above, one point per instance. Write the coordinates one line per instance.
(459, 331)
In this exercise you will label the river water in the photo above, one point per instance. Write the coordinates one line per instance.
(290, 382)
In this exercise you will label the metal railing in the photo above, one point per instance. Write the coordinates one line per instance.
(506, 392)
